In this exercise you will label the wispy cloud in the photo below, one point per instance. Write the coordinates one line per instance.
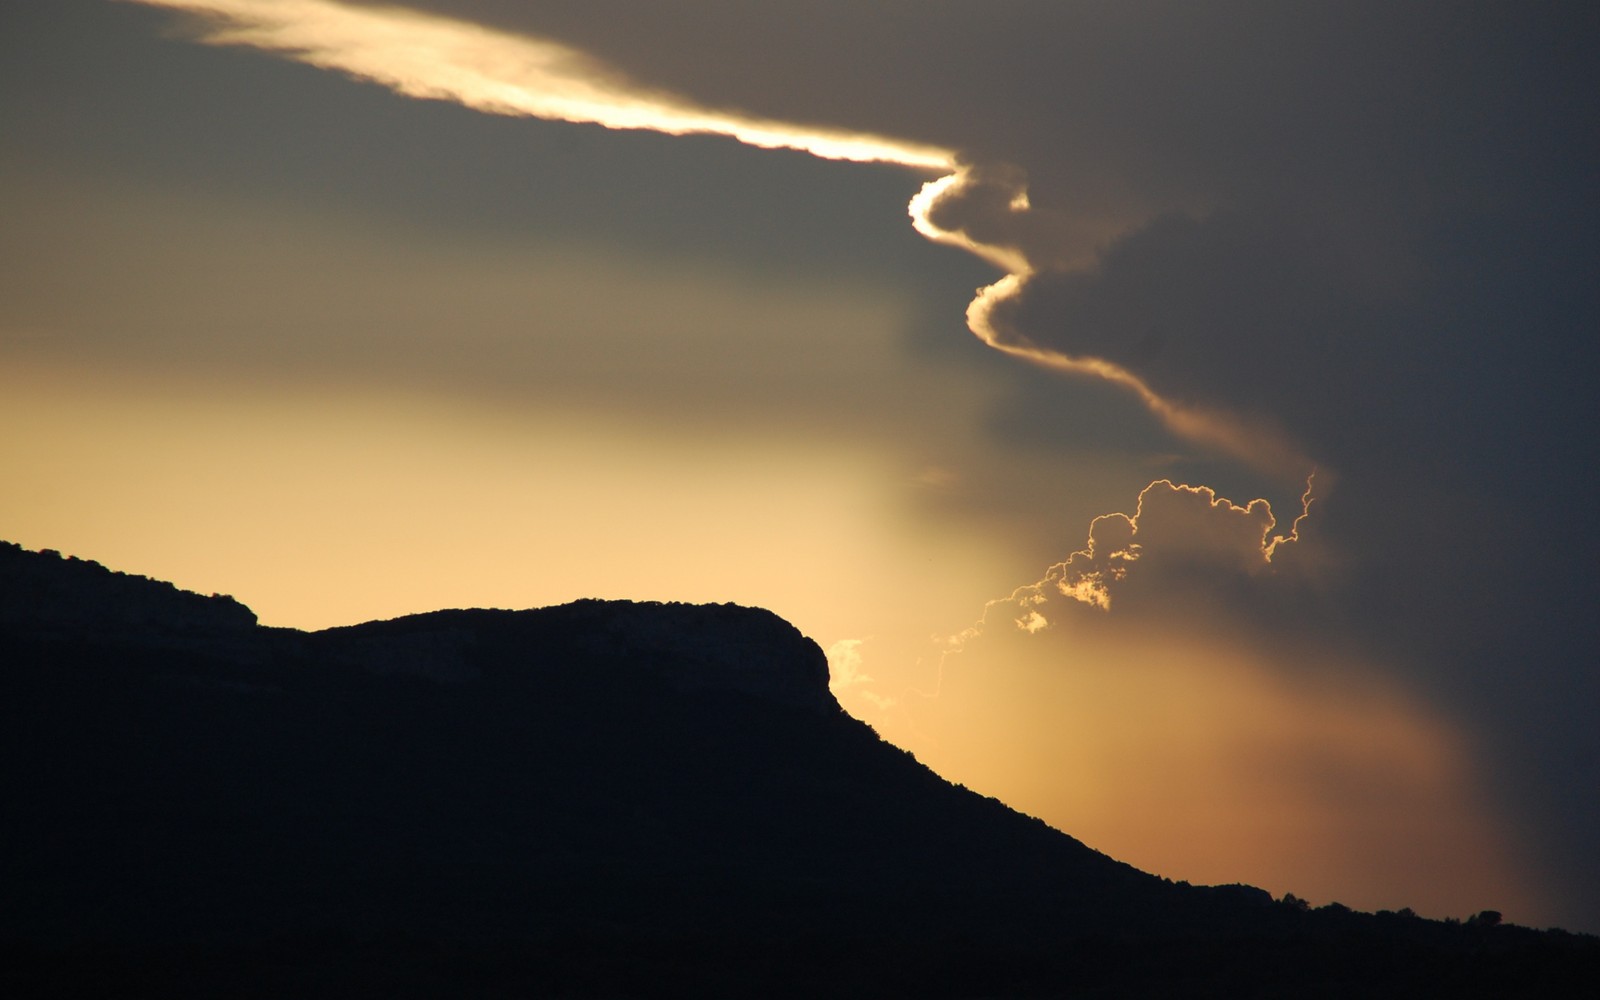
(497, 72)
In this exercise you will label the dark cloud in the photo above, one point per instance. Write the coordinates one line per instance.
(1255, 313)
(1341, 218)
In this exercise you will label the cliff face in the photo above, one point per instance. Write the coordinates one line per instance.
(716, 647)
(688, 647)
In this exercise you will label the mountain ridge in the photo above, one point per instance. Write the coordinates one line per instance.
(665, 789)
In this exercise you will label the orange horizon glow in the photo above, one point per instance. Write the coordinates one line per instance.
(1182, 738)
(1199, 754)
(327, 506)
(1191, 751)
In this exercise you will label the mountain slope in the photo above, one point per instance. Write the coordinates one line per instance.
(602, 798)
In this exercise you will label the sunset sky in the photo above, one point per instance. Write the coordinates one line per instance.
(1174, 419)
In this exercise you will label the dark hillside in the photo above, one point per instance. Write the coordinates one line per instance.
(599, 799)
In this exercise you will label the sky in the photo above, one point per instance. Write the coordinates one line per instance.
(1173, 419)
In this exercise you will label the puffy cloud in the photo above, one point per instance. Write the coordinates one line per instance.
(1182, 545)
(844, 665)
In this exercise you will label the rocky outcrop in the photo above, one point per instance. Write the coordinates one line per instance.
(687, 647)
(712, 646)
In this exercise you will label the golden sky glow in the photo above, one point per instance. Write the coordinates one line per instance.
(1186, 736)
(1196, 758)
(333, 505)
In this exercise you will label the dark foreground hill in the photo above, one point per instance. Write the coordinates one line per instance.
(599, 799)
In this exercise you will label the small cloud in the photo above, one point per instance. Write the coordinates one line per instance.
(1033, 622)
(844, 665)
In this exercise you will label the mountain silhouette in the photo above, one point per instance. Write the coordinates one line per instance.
(599, 799)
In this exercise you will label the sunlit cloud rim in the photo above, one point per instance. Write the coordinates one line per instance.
(440, 58)
(1090, 586)
(1257, 443)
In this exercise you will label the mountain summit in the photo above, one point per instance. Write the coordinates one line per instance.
(599, 799)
